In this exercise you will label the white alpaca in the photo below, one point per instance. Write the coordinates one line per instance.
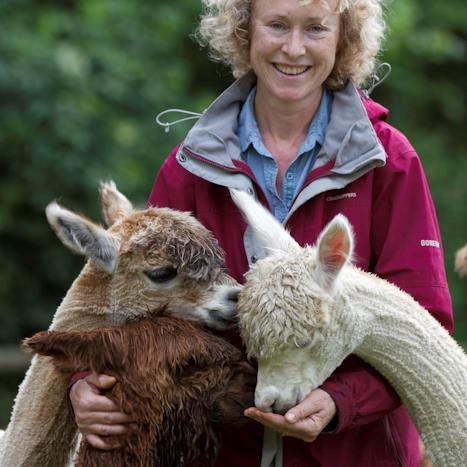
(303, 310)
(146, 260)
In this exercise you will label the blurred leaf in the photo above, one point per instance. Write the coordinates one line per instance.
(80, 85)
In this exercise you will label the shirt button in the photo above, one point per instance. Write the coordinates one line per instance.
(254, 258)
(182, 158)
(250, 191)
(289, 176)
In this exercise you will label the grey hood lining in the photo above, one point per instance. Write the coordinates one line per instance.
(350, 140)
(214, 135)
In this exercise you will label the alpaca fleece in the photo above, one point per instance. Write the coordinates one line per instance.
(177, 380)
(302, 311)
(152, 259)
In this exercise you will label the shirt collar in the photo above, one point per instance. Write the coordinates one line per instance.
(248, 131)
(319, 124)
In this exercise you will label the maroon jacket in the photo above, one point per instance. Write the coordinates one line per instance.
(397, 237)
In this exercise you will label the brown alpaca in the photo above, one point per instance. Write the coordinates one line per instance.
(178, 381)
(152, 259)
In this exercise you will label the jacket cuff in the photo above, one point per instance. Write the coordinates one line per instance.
(360, 393)
(75, 377)
(345, 406)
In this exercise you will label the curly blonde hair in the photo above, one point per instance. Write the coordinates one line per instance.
(224, 28)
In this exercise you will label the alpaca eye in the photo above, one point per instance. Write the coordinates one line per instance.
(160, 275)
(304, 343)
(310, 341)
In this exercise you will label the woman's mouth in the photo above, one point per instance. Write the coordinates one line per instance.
(291, 70)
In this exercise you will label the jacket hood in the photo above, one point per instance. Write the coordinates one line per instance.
(376, 112)
(214, 136)
(211, 149)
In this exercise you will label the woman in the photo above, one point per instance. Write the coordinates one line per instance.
(295, 130)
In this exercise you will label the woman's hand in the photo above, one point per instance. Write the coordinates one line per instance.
(305, 421)
(96, 415)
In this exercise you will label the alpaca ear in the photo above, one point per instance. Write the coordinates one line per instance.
(50, 344)
(83, 237)
(115, 205)
(68, 349)
(335, 248)
(265, 226)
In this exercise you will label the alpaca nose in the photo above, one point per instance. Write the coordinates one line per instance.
(232, 294)
(221, 310)
(266, 398)
(273, 399)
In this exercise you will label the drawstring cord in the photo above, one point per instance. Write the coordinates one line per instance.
(386, 69)
(375, 82)
(167, 125)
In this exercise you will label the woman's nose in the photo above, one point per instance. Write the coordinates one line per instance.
(294, 44)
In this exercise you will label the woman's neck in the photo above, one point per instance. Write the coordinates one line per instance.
(284, 120)
(284, 127)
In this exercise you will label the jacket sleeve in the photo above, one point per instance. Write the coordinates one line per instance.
(407, 251)
(406, 242)
(360, 393)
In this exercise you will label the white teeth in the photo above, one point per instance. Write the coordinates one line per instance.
(291, 70)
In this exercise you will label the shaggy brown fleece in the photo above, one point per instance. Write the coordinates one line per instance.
(179, 381)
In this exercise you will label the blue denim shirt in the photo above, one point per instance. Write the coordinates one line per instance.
(263, 165)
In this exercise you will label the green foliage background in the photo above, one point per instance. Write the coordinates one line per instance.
(81, 82)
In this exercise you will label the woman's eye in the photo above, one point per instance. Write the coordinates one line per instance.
(277, 26)
(316, 28)
(160, 275)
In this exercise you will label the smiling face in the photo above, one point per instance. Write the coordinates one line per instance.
(293, 48)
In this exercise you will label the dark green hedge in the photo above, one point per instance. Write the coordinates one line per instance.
(81, 82)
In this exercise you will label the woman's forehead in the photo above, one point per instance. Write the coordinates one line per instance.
(329, 4)
(325, 6)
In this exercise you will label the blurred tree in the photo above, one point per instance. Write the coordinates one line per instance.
(81, 82)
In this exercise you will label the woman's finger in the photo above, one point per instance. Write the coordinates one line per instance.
(317, 401)
(103, 418)
(100, 443)
(303, 429)
(253, 412)
(101, 381)
(98, 403)
(272, 420)
(107, 430)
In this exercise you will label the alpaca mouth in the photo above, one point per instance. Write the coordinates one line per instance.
(291, 70)
(222, 322)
